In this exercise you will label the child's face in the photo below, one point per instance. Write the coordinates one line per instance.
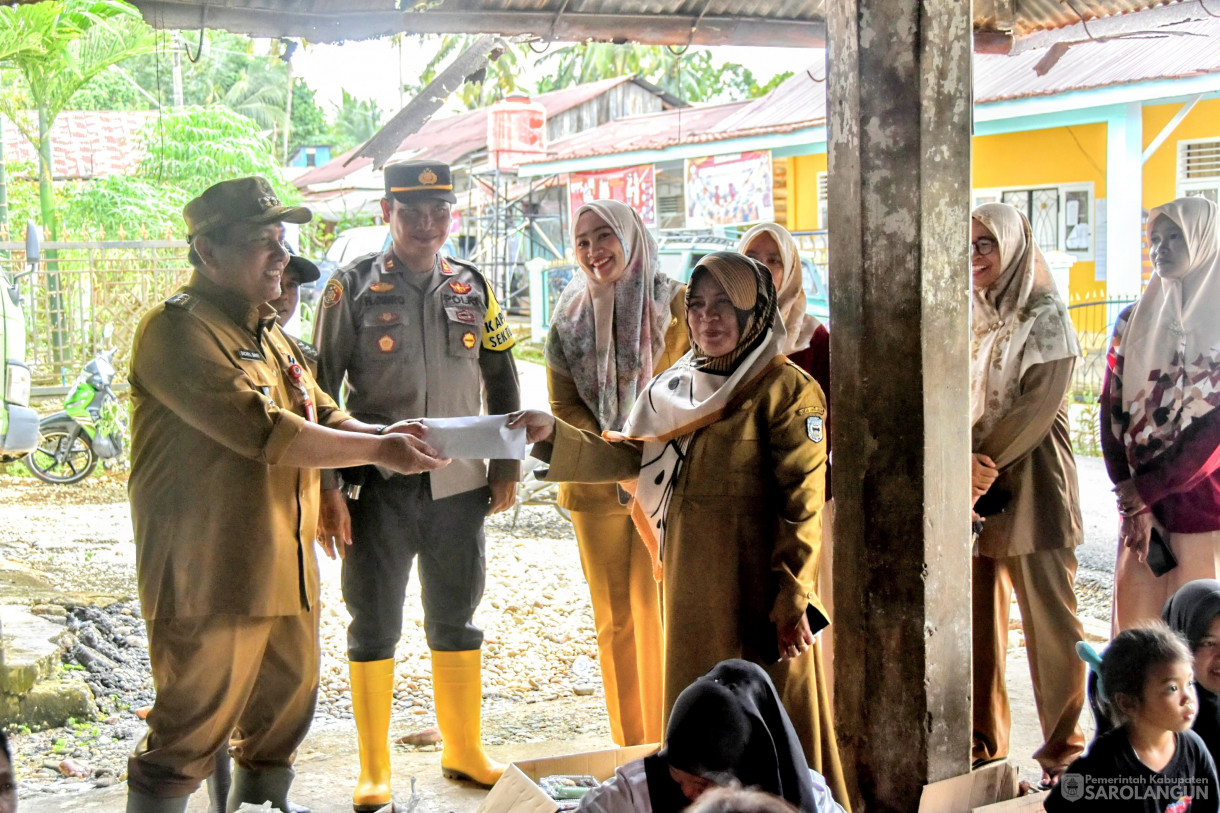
(8, 786)
(1207, 658)
(1169, 702)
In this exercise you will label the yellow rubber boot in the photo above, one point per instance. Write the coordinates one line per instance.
(457, 688)
(372, 696)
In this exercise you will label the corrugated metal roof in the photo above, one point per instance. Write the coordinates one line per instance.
(742, 22)
(450, 138)
(800, 101)
(85, 143)
(1169, 52)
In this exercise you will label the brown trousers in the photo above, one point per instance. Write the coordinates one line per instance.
(1043, 584)
(253, 678)
(627, 614)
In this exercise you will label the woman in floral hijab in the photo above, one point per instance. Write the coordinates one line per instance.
(616, 324)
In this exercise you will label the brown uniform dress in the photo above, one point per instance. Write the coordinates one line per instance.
(224, 536)
(626, 598)
(1029, 548)
(742, 544)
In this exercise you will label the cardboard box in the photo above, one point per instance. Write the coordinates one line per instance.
(518, 791)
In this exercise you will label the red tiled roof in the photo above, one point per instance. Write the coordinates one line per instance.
(85, 143)
(449, 138)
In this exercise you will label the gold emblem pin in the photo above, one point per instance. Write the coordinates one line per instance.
(381, 287)
(386, 344)
(427, 177)
(385, 317)
(468, 340)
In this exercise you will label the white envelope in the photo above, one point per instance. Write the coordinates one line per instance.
(483, 437)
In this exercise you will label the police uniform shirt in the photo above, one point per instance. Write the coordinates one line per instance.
(220, 527)
(410, 345)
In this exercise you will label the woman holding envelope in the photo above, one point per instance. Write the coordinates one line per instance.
(615, 326)
(729, 449)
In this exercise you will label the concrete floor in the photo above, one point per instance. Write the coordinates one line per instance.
(327, 766)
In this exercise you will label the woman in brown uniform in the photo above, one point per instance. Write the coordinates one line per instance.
(1022, 354)
(729, 448)
(614, 327)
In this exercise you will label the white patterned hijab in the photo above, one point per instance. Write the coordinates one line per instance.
(610, 336)
(1018, 321)
(1166, 353)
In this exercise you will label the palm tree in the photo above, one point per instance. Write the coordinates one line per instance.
(69, 42)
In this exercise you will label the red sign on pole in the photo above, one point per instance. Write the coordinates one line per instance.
(634, 186)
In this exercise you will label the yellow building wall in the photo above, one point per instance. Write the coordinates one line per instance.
(1161, 169)
(803, 191)
(1041, 158)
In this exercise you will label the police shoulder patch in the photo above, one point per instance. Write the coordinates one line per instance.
(182, 300)
(333, 293)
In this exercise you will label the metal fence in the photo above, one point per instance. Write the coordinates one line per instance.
(77, 288)
(1094, 324)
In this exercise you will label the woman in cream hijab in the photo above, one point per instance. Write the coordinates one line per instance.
(727, 450)
(1022, 354)
(1160, 426)
(615, 326)
(808, 342)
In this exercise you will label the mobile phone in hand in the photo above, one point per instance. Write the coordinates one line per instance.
(1160, 558)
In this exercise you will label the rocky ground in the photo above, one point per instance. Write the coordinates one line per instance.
(541, 678)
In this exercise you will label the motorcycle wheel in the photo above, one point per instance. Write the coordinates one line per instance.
(78, 463)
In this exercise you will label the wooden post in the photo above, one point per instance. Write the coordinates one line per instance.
(899, 157)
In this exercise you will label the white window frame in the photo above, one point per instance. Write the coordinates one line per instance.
(1187, 187)
(995, 195)
(823, 190)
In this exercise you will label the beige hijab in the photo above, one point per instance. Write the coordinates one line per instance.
(791, 293)
(1019, 321)
(1166, 353)
(697, 390)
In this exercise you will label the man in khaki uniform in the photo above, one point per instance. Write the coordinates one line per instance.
(411, 333)
(228, 431)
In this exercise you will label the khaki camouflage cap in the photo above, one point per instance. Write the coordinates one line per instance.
(250, 200)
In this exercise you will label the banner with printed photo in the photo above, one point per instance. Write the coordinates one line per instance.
(634, 186)
(724, 190)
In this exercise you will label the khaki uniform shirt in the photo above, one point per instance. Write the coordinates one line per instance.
(220, 528)
(412, 345)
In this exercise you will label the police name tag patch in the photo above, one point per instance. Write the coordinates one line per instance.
(813, 428)
(249, 355)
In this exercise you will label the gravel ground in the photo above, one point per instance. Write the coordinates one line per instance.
(541, 680)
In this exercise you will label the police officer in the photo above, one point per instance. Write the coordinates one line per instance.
(298, 272)
(228, 432)
(413, 333)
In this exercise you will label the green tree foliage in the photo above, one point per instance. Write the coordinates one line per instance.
(186, 151)
(355, 122)
(76, 41)
(309, 125)
(692, 76)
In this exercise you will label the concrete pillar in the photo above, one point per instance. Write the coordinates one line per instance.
(1124, 201)
(899, 154)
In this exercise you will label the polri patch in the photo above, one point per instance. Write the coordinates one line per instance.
(249, 355)
(333, 293)
(813, 428)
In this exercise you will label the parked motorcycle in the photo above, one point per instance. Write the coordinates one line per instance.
(89, 429)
